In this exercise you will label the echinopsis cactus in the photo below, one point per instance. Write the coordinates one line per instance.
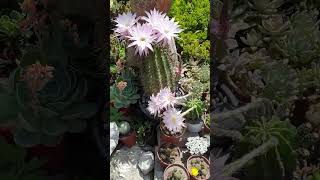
(154, 42)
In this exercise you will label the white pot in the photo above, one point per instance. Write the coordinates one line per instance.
(195, 128)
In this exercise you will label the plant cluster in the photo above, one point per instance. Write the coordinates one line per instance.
(194, 19)
(197, 145)
(176, 174)
(270, 50)
(45, 95)
(169, 153)
(199, 168)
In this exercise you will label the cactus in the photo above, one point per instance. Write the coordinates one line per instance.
(157, 72)
(124, 128)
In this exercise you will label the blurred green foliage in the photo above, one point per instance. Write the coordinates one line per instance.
(193, 18)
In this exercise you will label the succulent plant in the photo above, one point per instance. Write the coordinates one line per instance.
(124, 128)
(169, 153)
(263, 130)
(124, 91)
(309, 77)
(9, 27)
(157, 71)
(200, 166)
(281, 82)
(47, 93)
(176, 174)
(301, 43)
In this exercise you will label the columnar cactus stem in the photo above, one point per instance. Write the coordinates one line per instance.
(157, 72)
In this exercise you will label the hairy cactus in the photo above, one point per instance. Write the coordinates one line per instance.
(157, 71)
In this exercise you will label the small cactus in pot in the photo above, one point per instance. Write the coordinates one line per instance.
(127, 134)
(176, 172)
(168, 154)
(198, 167)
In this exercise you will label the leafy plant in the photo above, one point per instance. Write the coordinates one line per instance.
(116, 115)
(143, 129)
(194, 19)
(197, 111)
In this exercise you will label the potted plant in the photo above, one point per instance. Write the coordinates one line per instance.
(172, 126)
(194, 119)
(127, 134)
(197, 145)
(176, 172)
(167, 154)
(198, 167)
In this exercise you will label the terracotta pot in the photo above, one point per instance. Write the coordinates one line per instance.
(129, 140)
(196, 127)
(189, 167)
(173, 166)
(164, 138)
(163, 164)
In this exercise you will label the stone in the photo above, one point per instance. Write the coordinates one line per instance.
(146, 162)
(124, 164)
(114, 136)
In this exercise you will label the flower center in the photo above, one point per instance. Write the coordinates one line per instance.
(166, 31)
(174, 120)
(143, 39)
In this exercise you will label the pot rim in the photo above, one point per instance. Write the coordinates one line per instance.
(199, 156)
(180, 165)
(184, 129)
(179, 150)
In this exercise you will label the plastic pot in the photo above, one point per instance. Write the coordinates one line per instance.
(189, 167)
(195, 127)
(175, 166)
(163, 164)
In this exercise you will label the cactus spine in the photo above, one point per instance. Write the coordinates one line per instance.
(157, 72)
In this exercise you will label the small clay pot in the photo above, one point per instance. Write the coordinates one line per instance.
(173, 166)
(164, 138)
(189, 167)
(163, 164)
(129, 140)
